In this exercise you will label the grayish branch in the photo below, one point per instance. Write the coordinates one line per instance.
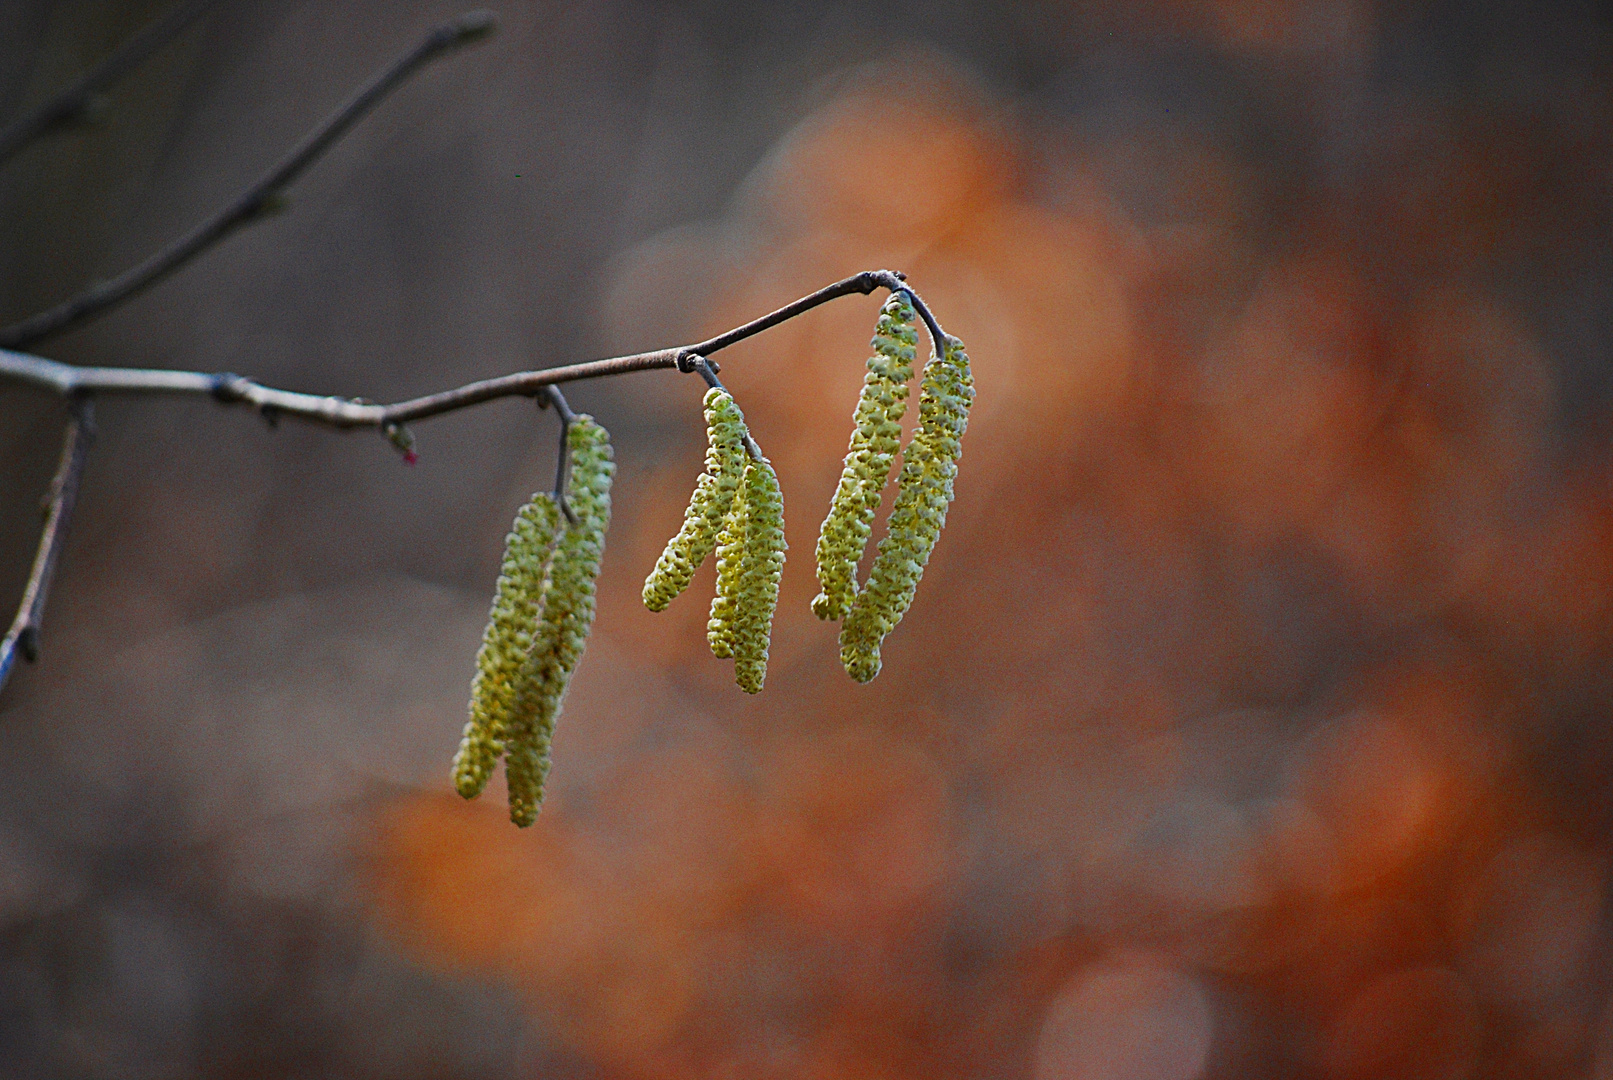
(262, 197)
(23, 637)
(342, 412)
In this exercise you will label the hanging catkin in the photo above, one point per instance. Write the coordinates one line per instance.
(874, 441)
(761, 566)
(516, 602)
(924, 492)
(711, 502)
(730, 552)
(567, 616)
(543, 609)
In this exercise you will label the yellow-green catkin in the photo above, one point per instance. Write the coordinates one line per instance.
(711, 502)
(730, 555)
(761, 567)
(924, 491)
(516, 602)
(874, 442)
(566, 617)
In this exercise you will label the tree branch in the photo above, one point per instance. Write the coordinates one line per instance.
(79, 384)
(23, 637)
(80, 97)
(342, 412)
(258, 199)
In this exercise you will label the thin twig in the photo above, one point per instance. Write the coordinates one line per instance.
(859, 284)
(703, 366)
(80, 97)
(553, 396)
(23, 637)
(527, 382)
(342, 412)
(898, 283)
(256, 200)
(562, 466)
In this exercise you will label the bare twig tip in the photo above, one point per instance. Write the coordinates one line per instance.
(473, 26)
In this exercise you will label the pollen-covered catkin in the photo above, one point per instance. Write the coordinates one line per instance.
(874, 442)
(712, 499)
(720, 627)
(566, 617)
(924, 492)
(761, 567)
(516, 602)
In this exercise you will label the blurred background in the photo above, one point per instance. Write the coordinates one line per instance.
(1252, 719)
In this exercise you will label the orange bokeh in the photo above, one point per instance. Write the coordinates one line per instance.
(1178, 422)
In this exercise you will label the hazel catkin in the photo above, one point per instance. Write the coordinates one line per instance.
(874, 442)
(543, 609)
(721, 626)
(517, 600)
(710, 503)
(924, 491)
(566, 618)
(761, 567)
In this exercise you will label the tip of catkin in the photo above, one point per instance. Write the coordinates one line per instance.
(861, 664)
(750, 674)
(523, 815)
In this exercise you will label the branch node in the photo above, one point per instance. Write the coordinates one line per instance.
(28, 644)
(228, 388)
(270, 414)
(402, 438)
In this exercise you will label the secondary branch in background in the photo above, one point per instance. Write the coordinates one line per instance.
(79, 98)
(258, 199)
(23, 637)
